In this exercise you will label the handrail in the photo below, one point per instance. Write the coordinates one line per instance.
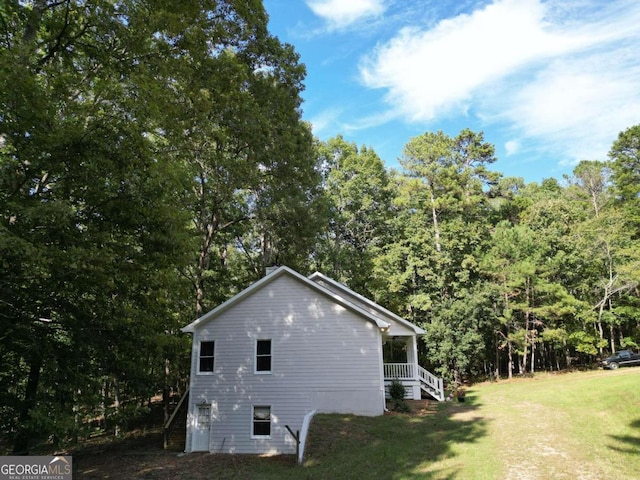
(433, 383)
(170, 425)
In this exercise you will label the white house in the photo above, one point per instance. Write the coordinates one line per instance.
(289, 345)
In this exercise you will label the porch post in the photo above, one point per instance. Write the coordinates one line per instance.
(413, 358)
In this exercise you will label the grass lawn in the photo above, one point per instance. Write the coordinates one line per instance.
(583, 425)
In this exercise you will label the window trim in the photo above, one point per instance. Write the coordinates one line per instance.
(199, 358)
(270, 355)
(253, 420)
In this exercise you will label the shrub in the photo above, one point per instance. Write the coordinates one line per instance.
(400, 406)
(396, 390)
(397, 393)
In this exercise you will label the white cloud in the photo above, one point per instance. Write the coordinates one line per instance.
(342, 13)
(512, 147)
(578, 106)
(325, 120)
(557, 71)
(429, 72)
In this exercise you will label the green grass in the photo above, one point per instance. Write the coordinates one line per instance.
(574, 425)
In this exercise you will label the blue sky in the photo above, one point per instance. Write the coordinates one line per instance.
(548, 82)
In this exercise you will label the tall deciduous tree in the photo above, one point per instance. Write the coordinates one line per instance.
(120, 122)
(358, 198)
(605, 237)
(233, 120)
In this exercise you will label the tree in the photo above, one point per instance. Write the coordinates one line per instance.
(591, 180)
(358, 198)
(432, 265)
(625, 163)
(109, 113)
(233, 121)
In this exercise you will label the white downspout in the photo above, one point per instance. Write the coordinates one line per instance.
(381, 363)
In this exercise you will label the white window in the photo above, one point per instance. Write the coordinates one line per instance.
(261, 421)
(206, 357)
(263, 356)
(204, 417)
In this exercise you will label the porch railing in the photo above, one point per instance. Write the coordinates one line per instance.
(399, 371)
(408, 371)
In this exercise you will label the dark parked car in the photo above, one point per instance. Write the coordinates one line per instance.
(623, 358)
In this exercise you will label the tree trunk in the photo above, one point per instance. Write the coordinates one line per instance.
(457, 377)
(526, 325)
(166, 392)
(267, 253)
(434, 213)
(35, 19)
(207, 223)
(21, 442)
(567, 355)
(612, 338)
(116, 406)
(203, 266)
(521, 366)
(533, 354)
(510, 349)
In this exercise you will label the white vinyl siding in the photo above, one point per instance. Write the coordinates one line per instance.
(323, 357)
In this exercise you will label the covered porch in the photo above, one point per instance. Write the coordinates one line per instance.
(400, 362)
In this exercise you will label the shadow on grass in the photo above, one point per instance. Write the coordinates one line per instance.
(394, 446)
(628, 443)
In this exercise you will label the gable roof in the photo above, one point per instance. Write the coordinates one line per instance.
(367, 304)
(340, 296)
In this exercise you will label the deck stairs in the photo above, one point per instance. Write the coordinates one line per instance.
(175, 430)
(430, 384)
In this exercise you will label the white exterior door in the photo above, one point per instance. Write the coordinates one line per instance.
(201, 429)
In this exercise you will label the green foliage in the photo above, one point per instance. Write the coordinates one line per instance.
(502, 274)
(397, 393)
(400, 406)
(396, 390)
(625, 156)
(357, 199)
(139, 146)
